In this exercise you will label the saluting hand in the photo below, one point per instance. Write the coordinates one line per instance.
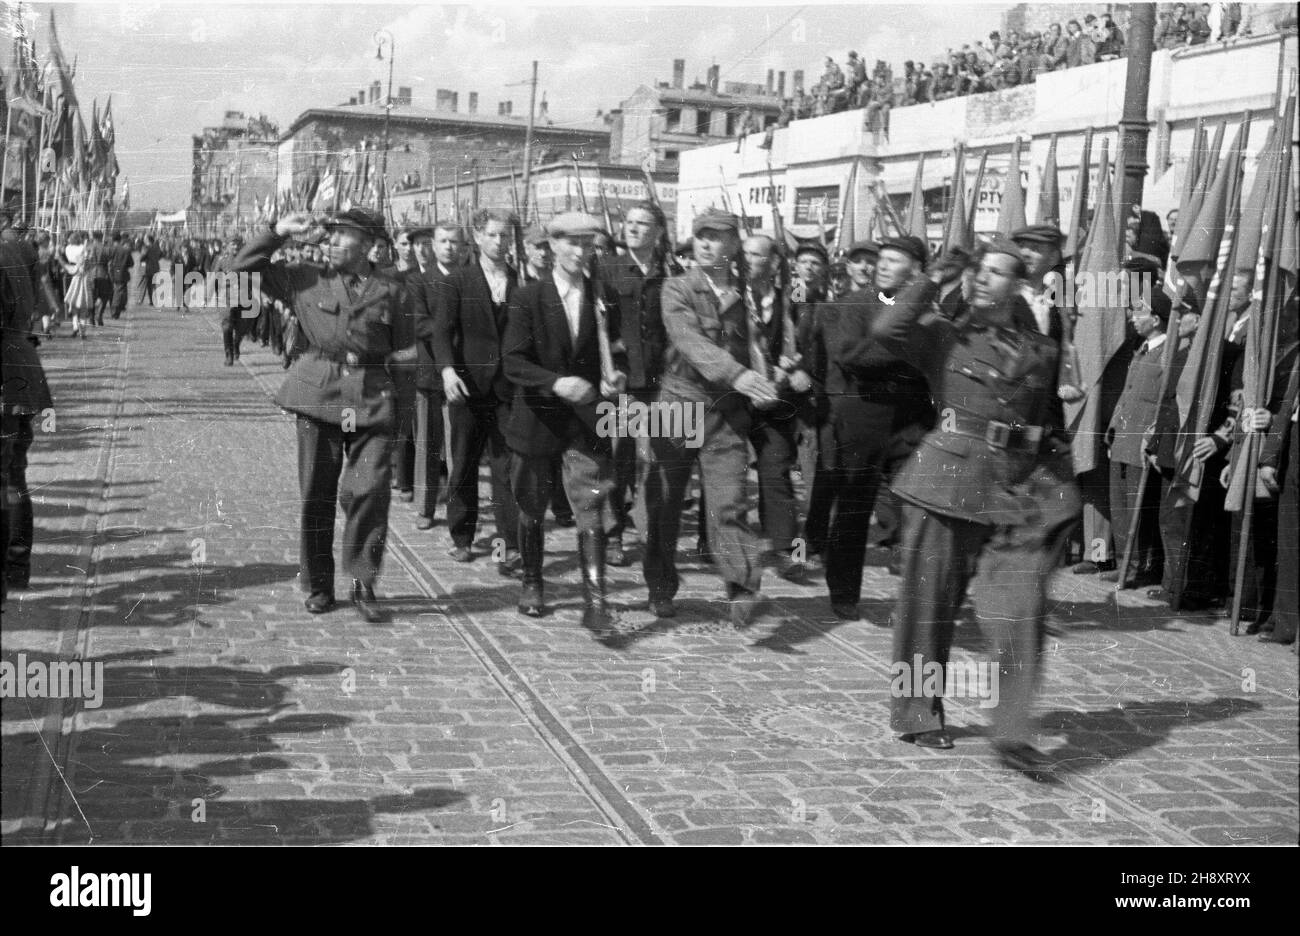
(297, 223)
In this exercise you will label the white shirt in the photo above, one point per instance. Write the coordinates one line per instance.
(498, 282)
(1040, 306)
(571, 296)
(1154, 342)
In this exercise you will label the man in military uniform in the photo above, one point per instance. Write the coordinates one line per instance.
(233, 320)
(469, 324)
(559, 353)
(24, 395)
(992, 483)
(708, 365)
(636, 279)
(354, 322)
(864, 385)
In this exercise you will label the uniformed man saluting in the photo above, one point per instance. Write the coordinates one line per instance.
(993, 482)
(354, 321)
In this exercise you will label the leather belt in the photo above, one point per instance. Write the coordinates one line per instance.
(1010, 436)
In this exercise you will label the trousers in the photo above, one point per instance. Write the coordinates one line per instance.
(724, 462)
(475, 427)
(941, 557)
(586, 474)
(349, 470)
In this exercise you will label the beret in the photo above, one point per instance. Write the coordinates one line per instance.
(1041, 233)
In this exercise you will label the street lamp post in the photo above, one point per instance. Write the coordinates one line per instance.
(384, 36)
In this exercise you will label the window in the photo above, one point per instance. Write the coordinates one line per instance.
(673, 122)
(671, 155)
(731, 124)
(702, 119)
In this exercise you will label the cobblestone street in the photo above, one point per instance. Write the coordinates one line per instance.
(167, 523)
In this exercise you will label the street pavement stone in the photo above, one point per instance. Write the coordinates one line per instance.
(230, 715)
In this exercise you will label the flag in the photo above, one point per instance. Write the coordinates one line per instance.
(126, 194)
(975, 197)
(1172, 283)
(109, 134)
(1274, 295)
(916, 225)
(1208, 256)
(327, 192)
(1049, 193)
(1078, 216)
(1100, 330)
(1011, 216)
(956, 232)
(845, 228)
(97, 148)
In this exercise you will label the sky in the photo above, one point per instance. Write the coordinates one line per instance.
(174, 68)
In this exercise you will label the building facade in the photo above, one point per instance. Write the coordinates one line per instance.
(655, 125)
(234, 168)
(811, 160)
(427, 144)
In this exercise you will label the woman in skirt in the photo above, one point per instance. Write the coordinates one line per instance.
(80, 297)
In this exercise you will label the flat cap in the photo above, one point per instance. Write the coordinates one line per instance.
(806, 247)
(914, 247)
(413, 232)
(1040, 233)
(573, 224)
(864, 246)
(534, 235)
(366, 222)
(711, 219)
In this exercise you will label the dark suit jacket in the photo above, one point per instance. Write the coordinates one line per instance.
(424, 298)
(466, 332)
(1138, 407)
(119, 263)
(539, 351)
(642, 320)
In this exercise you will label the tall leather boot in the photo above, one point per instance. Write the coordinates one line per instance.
(531, 551)
(596, 615)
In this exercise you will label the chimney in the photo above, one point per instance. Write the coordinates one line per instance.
(473, 102)
(361, 96)
(352, 101)
(679, 72)
(771, 78)
(714, 72)
(376, 91)
(798, 82)
(780, 85)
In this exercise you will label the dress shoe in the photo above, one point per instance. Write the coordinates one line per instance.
(367, 605)
(1087, 567)
(939, 739)
(566, 521)
(509, 567)
(793, 572)
(318, 602)
(530, 601)
(230, 360)
(406, 495)
(744, 608)
(424, 523)
(663, 608)
(1274, 637)
(461, 554)
(1024, 758)
(615, 554)
(845, 611)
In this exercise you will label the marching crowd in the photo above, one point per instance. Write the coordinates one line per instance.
(924, 392)
(1000, 62)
